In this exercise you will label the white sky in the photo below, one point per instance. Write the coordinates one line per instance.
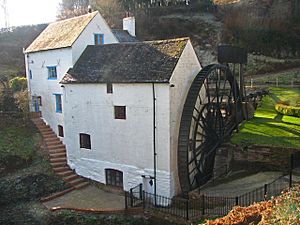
(28, 12)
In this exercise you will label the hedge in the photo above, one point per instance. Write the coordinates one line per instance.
(287, 110)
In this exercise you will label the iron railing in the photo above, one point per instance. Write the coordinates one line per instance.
(191, 209)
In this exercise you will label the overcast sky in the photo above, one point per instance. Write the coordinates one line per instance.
(27, 12)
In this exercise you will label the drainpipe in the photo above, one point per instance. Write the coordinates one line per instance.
(154, 140)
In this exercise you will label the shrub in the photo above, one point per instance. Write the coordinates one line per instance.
(18, 84)
(287, 110)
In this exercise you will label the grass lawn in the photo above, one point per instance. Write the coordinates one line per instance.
(269, 128)
(18, 142)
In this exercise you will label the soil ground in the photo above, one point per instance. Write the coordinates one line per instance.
(88, 197)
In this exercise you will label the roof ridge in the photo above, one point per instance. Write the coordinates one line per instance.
(73, 18)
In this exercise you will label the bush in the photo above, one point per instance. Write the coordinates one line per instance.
(287, 110)
(18, 84)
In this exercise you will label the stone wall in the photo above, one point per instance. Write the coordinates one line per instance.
(257, 157)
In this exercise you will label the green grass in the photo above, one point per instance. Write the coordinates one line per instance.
(17, 141)
(269, 128)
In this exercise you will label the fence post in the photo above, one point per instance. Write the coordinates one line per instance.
(187, 209)
(126, 203)
(131, 198)
(265, 191)
(203, 205)
(141, 189)
(236, 200)
(144, 200)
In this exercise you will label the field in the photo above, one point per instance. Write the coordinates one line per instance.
(269, 128)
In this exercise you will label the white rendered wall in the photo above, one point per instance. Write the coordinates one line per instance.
(40, 85)
(97, 26)
(186, 70)
(125, 145)
(64, 59)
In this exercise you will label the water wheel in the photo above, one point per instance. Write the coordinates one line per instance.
(211, 112)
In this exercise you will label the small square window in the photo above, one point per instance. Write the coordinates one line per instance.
(109, 88)
(85, 141)
(99, 39)
(52, 72)
(120, 112)
(60, 131)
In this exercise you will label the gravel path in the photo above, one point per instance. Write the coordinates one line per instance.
(243, 185)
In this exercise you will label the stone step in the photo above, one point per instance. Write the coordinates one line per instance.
(58, 164)
(57, 160)
(65, 173)
(49, 135)
(43, 126)
(47, 132)
(76, 181)
(58, 154)
(61, 169)
(58, 151)
(53, 141)
(51, 138)
(81, 185)
(55, 145)
(56, 148)
(71, 177)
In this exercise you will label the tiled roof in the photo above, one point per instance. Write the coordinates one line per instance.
(123, 36)
(61, 34)
(140, 62)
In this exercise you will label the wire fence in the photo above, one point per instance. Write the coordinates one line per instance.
(191, 209)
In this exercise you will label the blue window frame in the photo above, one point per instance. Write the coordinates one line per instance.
(30, 74)
(99, 39)
(58, 103)
(52, 72)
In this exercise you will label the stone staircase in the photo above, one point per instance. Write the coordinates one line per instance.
(58, 155)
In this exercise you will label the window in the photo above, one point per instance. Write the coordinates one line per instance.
(120, 112)
(60, 131)
(109, 88)
(30, 74)
(99, 39)
(85, 141)
(58, 103)
(39, 99)
(114, 177)
(52, 73)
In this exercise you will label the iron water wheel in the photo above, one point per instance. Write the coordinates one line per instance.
(211, 112)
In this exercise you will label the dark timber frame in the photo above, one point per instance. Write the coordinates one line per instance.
(211, 112)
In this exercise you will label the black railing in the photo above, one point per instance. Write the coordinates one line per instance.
(191, 209)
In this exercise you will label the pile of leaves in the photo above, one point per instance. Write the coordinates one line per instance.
(284, 209)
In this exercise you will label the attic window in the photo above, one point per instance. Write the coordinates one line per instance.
(85, 141)
(109, 88)
(52, 73)
(120, 112)
(99, 39)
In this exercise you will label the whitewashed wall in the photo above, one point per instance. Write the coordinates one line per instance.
(64, 59)
(125, 145)
(41, 86)
(186, 70)
(97, 26)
